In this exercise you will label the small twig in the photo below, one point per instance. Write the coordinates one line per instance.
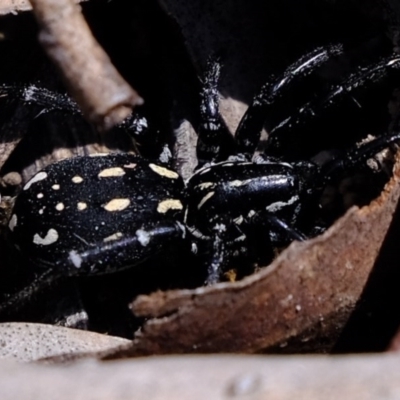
(104, 96)
(16, 6)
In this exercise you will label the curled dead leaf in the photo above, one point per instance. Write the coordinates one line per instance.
(302, 300)
(32, 342)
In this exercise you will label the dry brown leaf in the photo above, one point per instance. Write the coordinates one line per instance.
(6, 149)
(394, 345)
(31, 342)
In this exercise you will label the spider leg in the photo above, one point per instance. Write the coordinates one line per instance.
(262, 227)
(65, 308)
(290, 233)
(152, 238)
(217, 261)
(339, 95)
(148, 240)
(266, 104)
(263, 233)
(266, 159)
(148, 139)
(214, 139)
(32, 94)
(215, 266)
(280, 232)
(353, 158)
(136, 124)
(333, 170)
(15, 300)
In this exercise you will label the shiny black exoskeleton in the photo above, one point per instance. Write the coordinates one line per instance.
(92, 215)
(97, 214)
(233, 204)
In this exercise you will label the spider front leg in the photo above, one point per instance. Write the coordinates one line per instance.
(34, 95)
(263, 234)
(281, 94)
(225, 240)
(147, 139)
(334, 170)
(354, 157)
(214, 140)
(260, 235)
(350, 94)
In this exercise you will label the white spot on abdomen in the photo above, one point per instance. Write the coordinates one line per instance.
(130, 166)
(60, 206)
(50, 238)
(117, 204)
(40, 195)
(111, 172)
(38, 177)
(164, 171)
(170, 204)
(77, 179)
(56, 186)
(81, 206)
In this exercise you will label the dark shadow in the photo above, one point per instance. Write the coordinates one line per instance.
(377, 318)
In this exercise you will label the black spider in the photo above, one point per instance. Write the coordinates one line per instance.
(93, 215)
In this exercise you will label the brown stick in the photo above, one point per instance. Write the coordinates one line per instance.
(103, 95)
(16, 6)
